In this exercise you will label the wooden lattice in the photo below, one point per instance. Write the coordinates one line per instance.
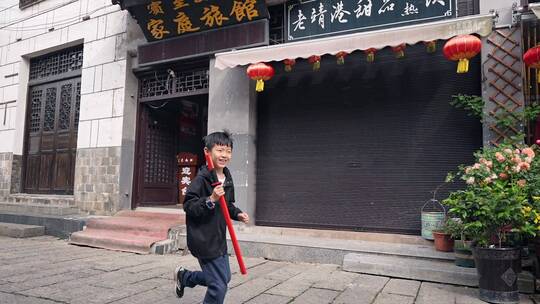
(531, 38)
(502, 72)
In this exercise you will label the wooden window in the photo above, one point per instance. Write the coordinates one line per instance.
(27, 3)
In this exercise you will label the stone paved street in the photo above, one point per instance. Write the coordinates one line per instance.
(46, 270)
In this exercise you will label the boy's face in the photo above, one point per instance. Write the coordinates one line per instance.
(221, 155)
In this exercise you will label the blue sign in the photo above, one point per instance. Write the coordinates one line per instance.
(318, 18)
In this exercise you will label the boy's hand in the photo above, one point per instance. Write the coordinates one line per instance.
(243, 217)
(218, 192)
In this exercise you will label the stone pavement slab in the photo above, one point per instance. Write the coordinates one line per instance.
(402, 287)
(316, 295)
(389, 298)
(265, 298)
(47, 270)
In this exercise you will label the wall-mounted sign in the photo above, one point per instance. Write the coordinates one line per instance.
(169, 18)
(317, 18)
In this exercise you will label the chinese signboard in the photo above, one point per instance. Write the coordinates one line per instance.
(169, 18)
(187, 170)
(317, 18)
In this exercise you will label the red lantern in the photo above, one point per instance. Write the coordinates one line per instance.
(431, 46)
(341, 57)
(315, 61)
(462, 48)
(289, 64)
(399, 50)
(370, 54)
(532, 60)
(260, 72)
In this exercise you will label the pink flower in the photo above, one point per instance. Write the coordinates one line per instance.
(529, 152)
(517, 169)
(524, 166)
(470, 180)
(503, 176)
(486, 162)
(476, 166)
(516, 159)
(521, 183)
(500, 157)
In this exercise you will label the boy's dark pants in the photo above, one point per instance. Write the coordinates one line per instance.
(215, 274)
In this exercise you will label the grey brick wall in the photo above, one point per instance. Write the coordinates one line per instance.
(97, 174)
(5, 173)
(16, 174)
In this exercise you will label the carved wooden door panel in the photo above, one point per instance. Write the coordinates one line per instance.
(157, 163)
(51, 137)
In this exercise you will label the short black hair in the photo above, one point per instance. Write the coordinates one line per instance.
(223, 138)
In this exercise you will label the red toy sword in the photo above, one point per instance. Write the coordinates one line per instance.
(227, 217)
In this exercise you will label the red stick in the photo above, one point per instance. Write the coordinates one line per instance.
(227, 217)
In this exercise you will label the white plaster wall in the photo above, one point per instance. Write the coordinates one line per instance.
(502, 7)
(27, 33)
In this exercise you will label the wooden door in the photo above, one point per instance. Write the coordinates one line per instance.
(156, 160)
(51, 137)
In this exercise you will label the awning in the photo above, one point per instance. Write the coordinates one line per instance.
(535, 8)
(478, 24)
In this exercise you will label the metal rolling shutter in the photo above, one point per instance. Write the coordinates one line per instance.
(360, 146)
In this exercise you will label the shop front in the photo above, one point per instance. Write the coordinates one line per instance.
(355, 129)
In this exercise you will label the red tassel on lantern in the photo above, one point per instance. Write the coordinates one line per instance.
(399, 50)
(341, 57)
(289, 63)
(260, 72)
(532, 60)
(462, 48)
(431, 46)
(315, 61)
(370, 54)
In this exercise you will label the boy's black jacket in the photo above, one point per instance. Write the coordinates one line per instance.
(206, 228)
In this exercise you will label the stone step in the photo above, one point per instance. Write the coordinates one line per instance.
(59, 226)
(20, 230)
(423, 270)
(295, 248)
(57, 200)
(133, 231)
(113, 240)
(34, 208)
(410, 268)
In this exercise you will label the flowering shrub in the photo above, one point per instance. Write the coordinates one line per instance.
(501, 194)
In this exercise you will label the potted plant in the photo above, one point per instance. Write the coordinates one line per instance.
(496, 204)
(443, 237)
(462, 242)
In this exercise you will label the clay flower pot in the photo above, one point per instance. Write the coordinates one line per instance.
(443, 241)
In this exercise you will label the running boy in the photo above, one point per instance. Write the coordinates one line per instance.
(205, 223)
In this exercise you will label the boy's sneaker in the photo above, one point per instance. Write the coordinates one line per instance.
(178, 279)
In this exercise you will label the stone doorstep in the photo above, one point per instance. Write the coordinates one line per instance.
(335, 234)
(58, 200)
(424, 270)
(20, 230)
(57, 225)
(37, 209)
